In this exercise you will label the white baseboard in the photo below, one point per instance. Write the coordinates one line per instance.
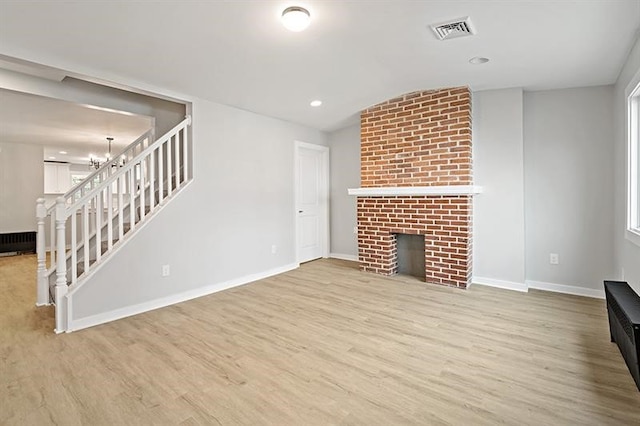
(539, 285)
(128, 311)
(567, 289)
(507, 285)
(343, 256)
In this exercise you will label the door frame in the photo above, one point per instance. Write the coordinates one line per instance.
(325, 231)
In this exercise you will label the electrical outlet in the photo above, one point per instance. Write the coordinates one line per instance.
(554, 259)
(166, 270)
(274, 249)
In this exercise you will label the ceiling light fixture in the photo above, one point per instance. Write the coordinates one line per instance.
(296, 18)
(94, 162)
(119, 162)
(62, 152)
(109, 140)
(316, 103)
(476, 60)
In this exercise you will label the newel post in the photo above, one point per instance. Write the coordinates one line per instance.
(61, 266)
(41, 250)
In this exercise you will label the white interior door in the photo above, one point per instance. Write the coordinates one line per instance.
(312, 193)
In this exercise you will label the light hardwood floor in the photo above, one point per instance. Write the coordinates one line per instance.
(321, 345)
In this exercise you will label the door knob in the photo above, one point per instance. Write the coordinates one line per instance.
(300, 211)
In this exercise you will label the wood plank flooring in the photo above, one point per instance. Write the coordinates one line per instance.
(321, 345)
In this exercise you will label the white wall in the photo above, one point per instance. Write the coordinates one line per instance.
(21, 184)
(345, 173)
(627, 254)
(568, 160)
(222, 227)
(499, 226)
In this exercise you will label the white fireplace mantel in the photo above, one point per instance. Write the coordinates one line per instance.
(416, 190)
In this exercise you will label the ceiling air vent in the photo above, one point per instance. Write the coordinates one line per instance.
(452, 29)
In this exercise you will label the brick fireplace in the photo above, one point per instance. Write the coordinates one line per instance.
(417, 178)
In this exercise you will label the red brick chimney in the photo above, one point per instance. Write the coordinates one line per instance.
(416, 174)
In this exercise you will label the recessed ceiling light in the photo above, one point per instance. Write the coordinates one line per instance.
(316, 103)
(296, 18)
(62, 152)
(52, 158)
(478, 60)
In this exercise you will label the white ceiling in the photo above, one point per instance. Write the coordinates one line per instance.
(58, 125)
(354, 54)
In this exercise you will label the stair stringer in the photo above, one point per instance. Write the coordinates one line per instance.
(51, 276)
(86, 279)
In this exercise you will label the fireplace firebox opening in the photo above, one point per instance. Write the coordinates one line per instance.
(410, 252)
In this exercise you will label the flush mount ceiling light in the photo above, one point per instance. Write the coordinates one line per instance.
(62, 152)
(476, 60)
(316, 103)
(296, 18)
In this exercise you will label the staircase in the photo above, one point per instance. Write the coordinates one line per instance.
(87, 225)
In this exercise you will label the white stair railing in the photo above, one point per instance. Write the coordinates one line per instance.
(88, 221)
(89, 183)
(108, 168)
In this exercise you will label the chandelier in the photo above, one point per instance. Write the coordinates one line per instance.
(95, 162)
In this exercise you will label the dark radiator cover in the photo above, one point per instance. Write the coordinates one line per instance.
(18, 241)
(623, 308)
